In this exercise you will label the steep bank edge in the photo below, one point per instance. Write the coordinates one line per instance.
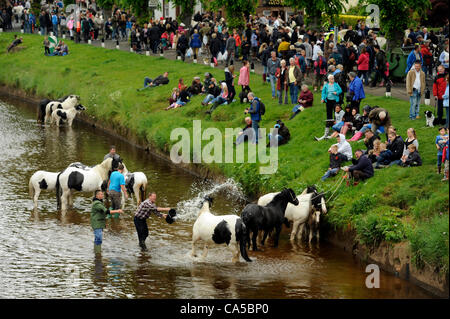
(394, 259)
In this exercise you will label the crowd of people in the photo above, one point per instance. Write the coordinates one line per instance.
(289, 52)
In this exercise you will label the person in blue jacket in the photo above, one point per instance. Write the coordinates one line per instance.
(255, 114)
(413, 56)
(196, 43)
(361, 169)
(356, 91)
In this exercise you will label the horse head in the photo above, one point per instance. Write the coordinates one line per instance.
(315, 216)
(290, 196)
(80, 107)
(75, 99)
(311, 189)
(318, 202)
(208, 199)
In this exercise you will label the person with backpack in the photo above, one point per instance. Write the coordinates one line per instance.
(256, 110)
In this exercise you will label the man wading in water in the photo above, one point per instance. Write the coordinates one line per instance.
(143, 212)
(116, 184)
(98, 219)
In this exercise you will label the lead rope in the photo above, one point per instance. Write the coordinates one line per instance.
(337, 187)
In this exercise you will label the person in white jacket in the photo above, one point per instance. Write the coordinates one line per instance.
(344, 147)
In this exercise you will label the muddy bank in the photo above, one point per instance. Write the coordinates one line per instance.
(392, 259)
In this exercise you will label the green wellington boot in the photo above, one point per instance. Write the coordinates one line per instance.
(97, 249)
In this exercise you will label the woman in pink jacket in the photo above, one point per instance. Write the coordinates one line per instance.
(244, 78)
(363, 65)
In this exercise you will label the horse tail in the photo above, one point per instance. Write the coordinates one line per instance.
(241, 236)
(41, 110)
(58, 192)
(31, 188)
(142, 192)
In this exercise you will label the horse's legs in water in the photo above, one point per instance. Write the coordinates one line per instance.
(264, 237)
(36, 196)
(205, 251)
(277, 235)
(235, 251)
(255, 234)
(301, 231)
(294, 230)
(71, 197)
(64, 198)
(193, 252)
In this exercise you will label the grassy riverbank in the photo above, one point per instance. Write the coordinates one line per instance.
(398, 204)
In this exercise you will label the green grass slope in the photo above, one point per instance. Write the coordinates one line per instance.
(397, 204)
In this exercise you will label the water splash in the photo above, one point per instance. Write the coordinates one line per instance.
(231, 191)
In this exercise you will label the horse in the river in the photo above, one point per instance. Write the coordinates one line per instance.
(268, 217)
(224, 229)
(41, 180)
(60, 116)
(310, 200)
(88, 179)
(46, 106)
(136, 183)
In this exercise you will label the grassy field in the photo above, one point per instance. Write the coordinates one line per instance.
(397, 204)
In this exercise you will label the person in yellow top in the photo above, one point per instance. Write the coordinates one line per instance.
(283, 47)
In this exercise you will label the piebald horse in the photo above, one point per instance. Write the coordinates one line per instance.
(46, 106)
(136, 183)
(41, 180)
(309, 201)
(224, 229)
(88, 179)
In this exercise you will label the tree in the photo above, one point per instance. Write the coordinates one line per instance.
(317, 10)
(187, 10)
(235, 10)
(395, 16)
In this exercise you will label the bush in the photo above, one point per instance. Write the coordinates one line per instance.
(362, 205)
(379, 225)
(429, 243)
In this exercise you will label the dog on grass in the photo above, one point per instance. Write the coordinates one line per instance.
(429, 118)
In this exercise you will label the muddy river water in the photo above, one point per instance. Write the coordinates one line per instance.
(44, 254)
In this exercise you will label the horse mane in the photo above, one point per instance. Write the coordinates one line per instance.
(279, 196)
(102, 168)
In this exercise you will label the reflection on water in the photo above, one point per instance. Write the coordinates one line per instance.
(48, 255)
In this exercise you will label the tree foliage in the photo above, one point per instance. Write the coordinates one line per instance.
(395, 16)
(235, 10)
(318, 10)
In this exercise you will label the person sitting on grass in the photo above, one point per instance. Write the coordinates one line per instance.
(361, 169)
(361, 124)
(338, 116)
(159, 80)
(306, 99)
(221, 99)
(207, 82)
(196, 87)
(411, 139)
(212, 91)
(348, 119)
(46, 46)
(370, 139)
(246, 133)
(344, 147)
(440, 141)
(384, 158)
(174, 96)
(15, 43)
(375, 152)
(413, 158)
(336, 159)
(281, 135)
(183, 98)
(395, 145)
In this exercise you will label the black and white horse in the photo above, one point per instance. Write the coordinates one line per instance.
(60, 116)
(224, 229)
(136, 183)
(41, 180)
(87, 179)
(46, 106)
(310, 200)
(269, 217)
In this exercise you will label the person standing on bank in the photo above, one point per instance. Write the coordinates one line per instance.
(330, 96)
(415, 86)
(98, 219)
(143, 212)
(116, 185)
(255, 115)
(356, 91)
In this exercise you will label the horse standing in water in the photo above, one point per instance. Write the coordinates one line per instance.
(310, 201)
(41, 180)
(88, 179)
(224, 229)
(136, 183)
(46, 106)
(268, 217)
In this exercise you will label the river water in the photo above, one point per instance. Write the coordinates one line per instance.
(44, 254)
